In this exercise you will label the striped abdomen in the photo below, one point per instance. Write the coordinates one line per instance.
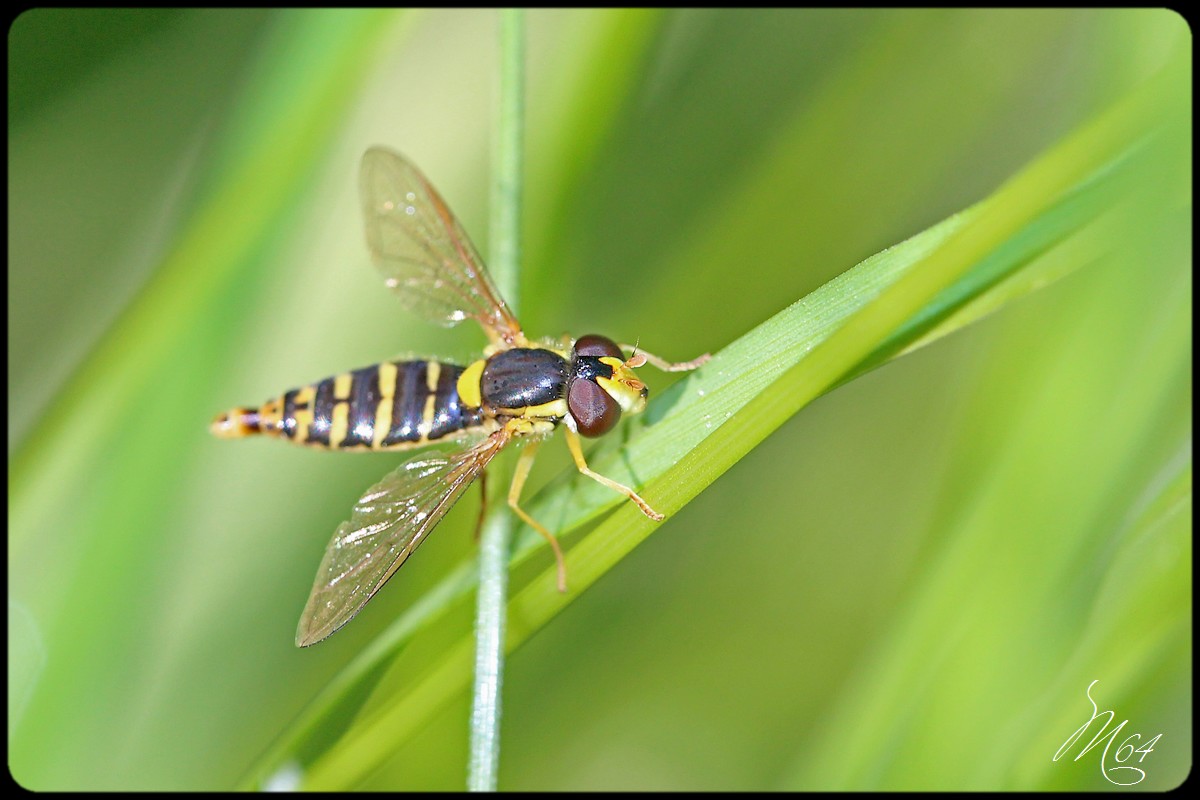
(393, 405)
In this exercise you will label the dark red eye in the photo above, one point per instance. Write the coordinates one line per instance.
(594, 410)
(593, 345)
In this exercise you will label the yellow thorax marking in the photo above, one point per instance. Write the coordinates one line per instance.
(555, 408)
(468, 384)
(523, 427)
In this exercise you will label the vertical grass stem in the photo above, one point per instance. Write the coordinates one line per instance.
(505, 210)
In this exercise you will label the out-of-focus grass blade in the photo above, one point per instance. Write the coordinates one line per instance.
(702, 425)
(323, 53)
(307, 63)
(584, 101)
(1063, 531)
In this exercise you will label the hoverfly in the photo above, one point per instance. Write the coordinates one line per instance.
(519, 390)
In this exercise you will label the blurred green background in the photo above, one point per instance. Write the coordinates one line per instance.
(908, 586)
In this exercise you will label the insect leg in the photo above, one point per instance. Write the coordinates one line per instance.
(482, 504)
(668, 366)
(524, 464)
(577, 454)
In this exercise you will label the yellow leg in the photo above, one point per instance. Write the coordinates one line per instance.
(577, 454)
(482, 504)
(669, 366)
(524, 464)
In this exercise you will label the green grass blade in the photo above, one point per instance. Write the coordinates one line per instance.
(323, 54)
(1097, 557)
(483, 765)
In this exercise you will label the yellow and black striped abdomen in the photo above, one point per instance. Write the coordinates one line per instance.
(389, 406)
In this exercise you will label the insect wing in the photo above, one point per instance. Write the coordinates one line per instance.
(387, 524)
(422, 250)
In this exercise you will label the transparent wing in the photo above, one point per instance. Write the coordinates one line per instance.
(425, 255)
(387, 524)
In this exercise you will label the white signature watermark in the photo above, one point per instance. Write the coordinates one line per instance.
(1125, 750)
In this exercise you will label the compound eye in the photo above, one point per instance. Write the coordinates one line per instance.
(598, 346)
(594, 410)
